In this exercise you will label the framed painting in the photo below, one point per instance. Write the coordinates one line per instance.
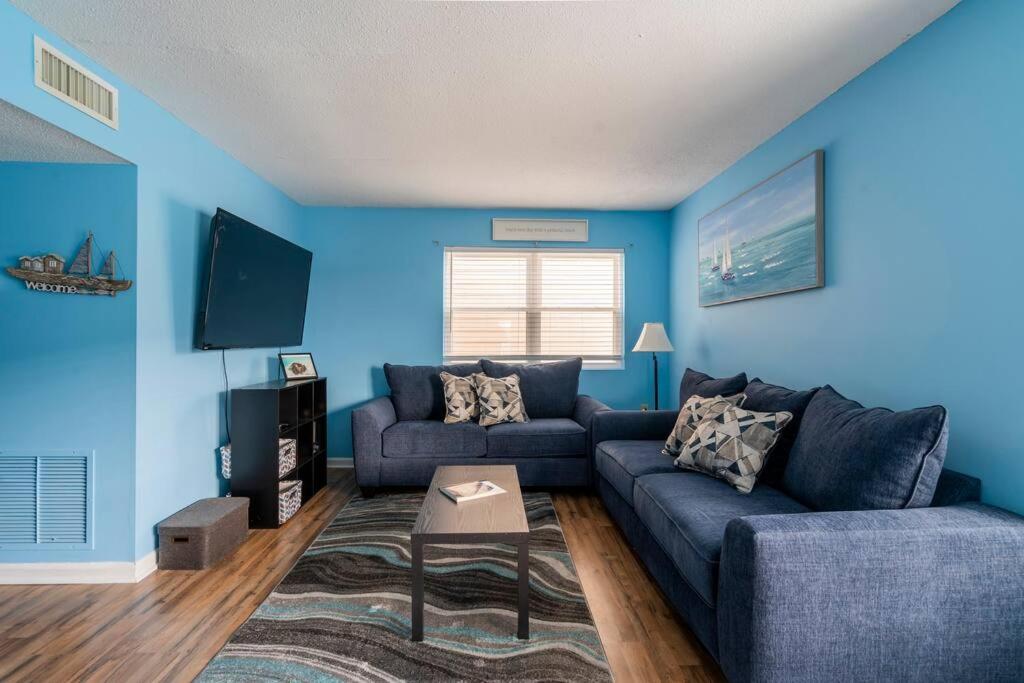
(769, 240)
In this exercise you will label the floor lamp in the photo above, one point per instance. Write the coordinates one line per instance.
(652, 340)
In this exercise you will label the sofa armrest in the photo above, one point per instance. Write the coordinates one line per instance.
(633, 425)
(583, 414)
(913, 595)
(585, 409)
(368, 424)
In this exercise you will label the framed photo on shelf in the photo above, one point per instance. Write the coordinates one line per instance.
(297, 365)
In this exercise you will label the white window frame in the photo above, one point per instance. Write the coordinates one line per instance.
(533, 293)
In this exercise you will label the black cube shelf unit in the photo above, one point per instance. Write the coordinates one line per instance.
(261, 414)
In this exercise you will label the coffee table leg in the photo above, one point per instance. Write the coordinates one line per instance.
(524, 590)
(417, 589)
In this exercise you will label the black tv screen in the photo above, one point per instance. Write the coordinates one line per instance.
(257, 284)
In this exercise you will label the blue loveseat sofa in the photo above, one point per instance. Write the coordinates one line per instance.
(857, 557)
(399, 440)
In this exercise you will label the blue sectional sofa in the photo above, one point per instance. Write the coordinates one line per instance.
(855, 558)
(399, 440)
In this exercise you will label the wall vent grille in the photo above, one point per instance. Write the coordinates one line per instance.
(45, 499)
(65, 79)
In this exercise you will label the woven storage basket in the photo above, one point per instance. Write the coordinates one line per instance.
(289, 500)
(285, 456)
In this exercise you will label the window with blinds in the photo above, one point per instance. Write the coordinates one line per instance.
(533, 305)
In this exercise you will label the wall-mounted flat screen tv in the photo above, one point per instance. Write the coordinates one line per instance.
(256, 288)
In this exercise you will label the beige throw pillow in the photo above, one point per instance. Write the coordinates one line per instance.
(460, 399)
(500, 399)
(693, 411)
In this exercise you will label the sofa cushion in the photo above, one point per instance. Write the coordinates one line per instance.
(687, 515)
(699, 384)
(544, 437)
(416, 390)
(433, 438)
(848, 457)
(621, 462)
(549, 389)
(771, 398)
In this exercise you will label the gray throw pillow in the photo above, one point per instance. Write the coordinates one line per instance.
(733, 444)
(694, 410)
(460, 399)
(500, 400)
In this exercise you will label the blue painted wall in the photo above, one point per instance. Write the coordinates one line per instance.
(376, 295)
(923, 159)
(182, 178)
(67, 362)
(923, 178)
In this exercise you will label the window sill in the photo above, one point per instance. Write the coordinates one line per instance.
(587, 364)
(604, 365)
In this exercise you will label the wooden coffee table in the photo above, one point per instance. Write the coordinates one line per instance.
(497, 519)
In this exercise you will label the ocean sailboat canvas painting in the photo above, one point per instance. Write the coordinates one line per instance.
(769, 240)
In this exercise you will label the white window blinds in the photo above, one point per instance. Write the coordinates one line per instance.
(533, 305)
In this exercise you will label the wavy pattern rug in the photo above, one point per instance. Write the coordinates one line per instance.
(342, 613)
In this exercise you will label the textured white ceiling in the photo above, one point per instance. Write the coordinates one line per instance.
(580, 105)
(24, 137)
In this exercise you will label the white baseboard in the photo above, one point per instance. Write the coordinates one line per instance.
(340, 463)
(77, 572)
(145, 565)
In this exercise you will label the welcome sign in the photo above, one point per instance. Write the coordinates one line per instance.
(540, 229)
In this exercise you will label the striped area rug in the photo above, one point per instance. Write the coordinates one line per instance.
(342, 613)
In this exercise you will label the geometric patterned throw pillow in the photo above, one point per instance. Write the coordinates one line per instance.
(693, 411)
(733, 444)
(460, 399)
(500, 399)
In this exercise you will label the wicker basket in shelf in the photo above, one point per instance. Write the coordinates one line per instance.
(289, 500)
(286, 456)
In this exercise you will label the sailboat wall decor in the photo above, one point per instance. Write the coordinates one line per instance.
(46, 273)
(779, 227)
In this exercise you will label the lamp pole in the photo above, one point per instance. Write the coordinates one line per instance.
(655, 355)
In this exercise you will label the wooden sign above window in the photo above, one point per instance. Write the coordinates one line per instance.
(540, 229)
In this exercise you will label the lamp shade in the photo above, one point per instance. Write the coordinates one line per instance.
(653, 339)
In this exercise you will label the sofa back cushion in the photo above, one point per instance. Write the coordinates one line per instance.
(848, 457)
(417, 390)
(699, 384)
(771, 398)
(954, 488)
(549, 389)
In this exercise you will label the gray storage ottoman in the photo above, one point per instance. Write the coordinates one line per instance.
(203, 533)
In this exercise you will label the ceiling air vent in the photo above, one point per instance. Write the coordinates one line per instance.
(65, 79)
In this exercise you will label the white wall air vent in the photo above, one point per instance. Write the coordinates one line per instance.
(66, 79)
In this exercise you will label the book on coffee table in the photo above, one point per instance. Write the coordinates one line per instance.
(472, 490)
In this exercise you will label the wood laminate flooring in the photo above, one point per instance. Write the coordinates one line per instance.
(169, 625)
